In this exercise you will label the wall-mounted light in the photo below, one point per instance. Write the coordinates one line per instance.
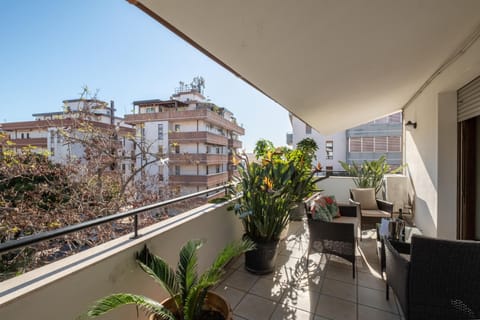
(412, 124)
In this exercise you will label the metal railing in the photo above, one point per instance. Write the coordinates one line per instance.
(36, 238)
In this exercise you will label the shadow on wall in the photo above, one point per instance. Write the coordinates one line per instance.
(423, 218)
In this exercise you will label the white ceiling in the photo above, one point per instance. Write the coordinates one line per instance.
(332, 63)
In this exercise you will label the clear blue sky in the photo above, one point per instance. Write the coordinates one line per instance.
(51, 49)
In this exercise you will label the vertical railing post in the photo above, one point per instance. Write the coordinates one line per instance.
(135, 226)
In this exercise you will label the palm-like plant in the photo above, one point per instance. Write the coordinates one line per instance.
(370, 173)
(187, 289)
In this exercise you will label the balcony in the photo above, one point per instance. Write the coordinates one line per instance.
(236, 144)
(193, 180)
(197, 136)
(324, 290)
(197, 158)
(171, 115)
(34, 142)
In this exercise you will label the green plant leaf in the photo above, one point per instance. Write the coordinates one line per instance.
(116, 300)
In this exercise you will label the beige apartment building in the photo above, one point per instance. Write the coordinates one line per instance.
(196, 136)
(44, 133)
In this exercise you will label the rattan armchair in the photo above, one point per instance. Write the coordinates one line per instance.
(370, 212)
(337, 237)
(440, 281)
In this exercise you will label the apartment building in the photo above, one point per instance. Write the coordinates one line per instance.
(197, 136)
(43, 133)
(368, 141)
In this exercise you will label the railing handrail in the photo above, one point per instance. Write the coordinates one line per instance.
(39, 237)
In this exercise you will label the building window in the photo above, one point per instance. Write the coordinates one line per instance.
(394, 144)
(28, 135)
(355, 144)
(160, 177)
(177, 170)
(160, 132)
(395, 118)
(177, 148)
(218, 168)
(52, 151)
(209, 149)
(23, 137)
(177, 128)
(380, 144)
(150, 110)
(329, 149)
(218, 150)
(308, 129)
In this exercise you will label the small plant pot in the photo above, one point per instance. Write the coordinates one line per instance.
(213, 302)
(262, 259)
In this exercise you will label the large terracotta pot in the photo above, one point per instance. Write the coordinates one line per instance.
(213, 302)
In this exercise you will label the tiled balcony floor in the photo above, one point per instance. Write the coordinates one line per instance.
(326, 290)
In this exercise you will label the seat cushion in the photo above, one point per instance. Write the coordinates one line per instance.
(366, 198)
(354, 220)
(375, 213)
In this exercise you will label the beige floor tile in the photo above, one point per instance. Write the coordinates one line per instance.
(269, 289)
(368, 280)
(255, 307)
(303, 299)
(340, 273)
(239, 262)
(232, 295)
(376, 299)
(241, 280)
(367, 313)
(237, 317)
(339, 289)
(286, 312)
(335, 308)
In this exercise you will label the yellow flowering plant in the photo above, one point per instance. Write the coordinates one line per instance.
(266, 195)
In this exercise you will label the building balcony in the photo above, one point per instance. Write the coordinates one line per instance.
(178, 116)
(197, 158)
(236, 144)
(197, 137)
(323, 288)
(210, 180)
(34, 142)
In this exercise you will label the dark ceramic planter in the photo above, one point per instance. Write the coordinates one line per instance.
(262, 260)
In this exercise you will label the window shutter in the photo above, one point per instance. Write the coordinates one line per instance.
(468, 100)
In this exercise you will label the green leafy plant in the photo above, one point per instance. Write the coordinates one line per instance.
(305, 181)
(369, 174)
(267, 195)
(187, 289)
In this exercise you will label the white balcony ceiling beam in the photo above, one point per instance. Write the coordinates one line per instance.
(332, 63)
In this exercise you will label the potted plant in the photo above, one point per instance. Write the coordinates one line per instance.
(190, 298)
(369, 174)
(264, 205)
(305, 183)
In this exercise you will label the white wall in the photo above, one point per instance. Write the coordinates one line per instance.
(339, 144)
(337, 186)
(66, 288)
(431, 150)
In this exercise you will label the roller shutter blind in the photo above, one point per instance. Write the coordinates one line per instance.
(468, 100)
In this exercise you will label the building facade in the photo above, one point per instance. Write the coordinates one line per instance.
(365, 142)
(196, 136)
(47, 133)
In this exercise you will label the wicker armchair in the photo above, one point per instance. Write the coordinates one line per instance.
(336, 237)
(441, 280)
(371, 210)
